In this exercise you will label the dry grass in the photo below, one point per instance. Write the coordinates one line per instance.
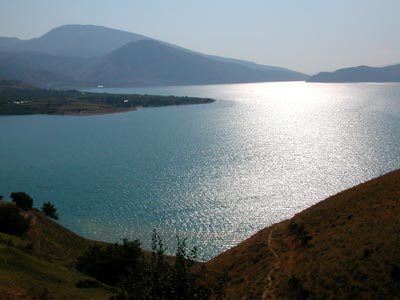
(354, 246)
(345, 247)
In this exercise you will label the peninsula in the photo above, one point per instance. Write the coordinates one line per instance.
(19, 98)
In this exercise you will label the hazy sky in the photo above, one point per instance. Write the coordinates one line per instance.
(305, 35)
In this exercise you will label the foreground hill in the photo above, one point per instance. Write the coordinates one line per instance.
(39, 264)
(360, 74)
(72, 56)
(345, 247)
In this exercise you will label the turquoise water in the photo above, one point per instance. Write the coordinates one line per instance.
(213, 173)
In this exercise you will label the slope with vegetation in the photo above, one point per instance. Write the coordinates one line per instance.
(40, 259)
(37, 261)
(345, 247)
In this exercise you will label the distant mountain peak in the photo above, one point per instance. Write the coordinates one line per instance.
(76, 40)
(88, 54)
(360, 74)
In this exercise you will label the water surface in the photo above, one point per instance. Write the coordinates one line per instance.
(215, 173)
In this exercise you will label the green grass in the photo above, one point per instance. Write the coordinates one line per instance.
(40, 263)
(25, 275)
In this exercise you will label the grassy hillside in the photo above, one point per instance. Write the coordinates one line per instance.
(39, 264)
(346, 247)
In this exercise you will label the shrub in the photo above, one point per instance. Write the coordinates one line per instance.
(160, 280)
(87, 284)
(22, 200)
(50, 210)
(300, 232)
(296, 289)
(396, 272)
(146, 279)
(11, 222)
(109, 263)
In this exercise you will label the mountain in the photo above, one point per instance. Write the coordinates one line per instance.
(149, 62)
(8, 42)
(96, 41)
(74, 41)
(345, 247)
(85, 55)
(360, 74)
(41, 69)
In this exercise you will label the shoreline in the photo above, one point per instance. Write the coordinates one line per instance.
(95, 113)
(18, 99)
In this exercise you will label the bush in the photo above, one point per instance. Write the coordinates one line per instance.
(160, 280)
(88, 284)
(22, 200)
(11, 222)
(146, 279)
(396, 272)
(300, 232)
(296, 289)
(109, 263)
(50, 210)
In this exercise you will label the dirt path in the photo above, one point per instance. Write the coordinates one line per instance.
(268, 293)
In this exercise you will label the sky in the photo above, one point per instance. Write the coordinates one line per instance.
(303, 35)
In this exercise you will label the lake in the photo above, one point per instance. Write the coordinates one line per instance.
(213, 173)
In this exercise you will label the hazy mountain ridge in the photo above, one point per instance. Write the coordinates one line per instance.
(75, 41)
(8, 41)
(41, 69)
(86, 55)
(149, 62)
(360, 74)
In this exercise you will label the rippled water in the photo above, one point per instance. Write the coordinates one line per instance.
(214, 173)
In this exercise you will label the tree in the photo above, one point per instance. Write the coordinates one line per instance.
(108, 263)
(50, 210)
(22, 200)
(11, 222)
(161, 280)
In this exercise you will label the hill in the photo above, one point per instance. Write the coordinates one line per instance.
(149, 62)
(360, 74)
(345, 247)
(82, 41)
(39, 264)
(41, 69)
(72, 56)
